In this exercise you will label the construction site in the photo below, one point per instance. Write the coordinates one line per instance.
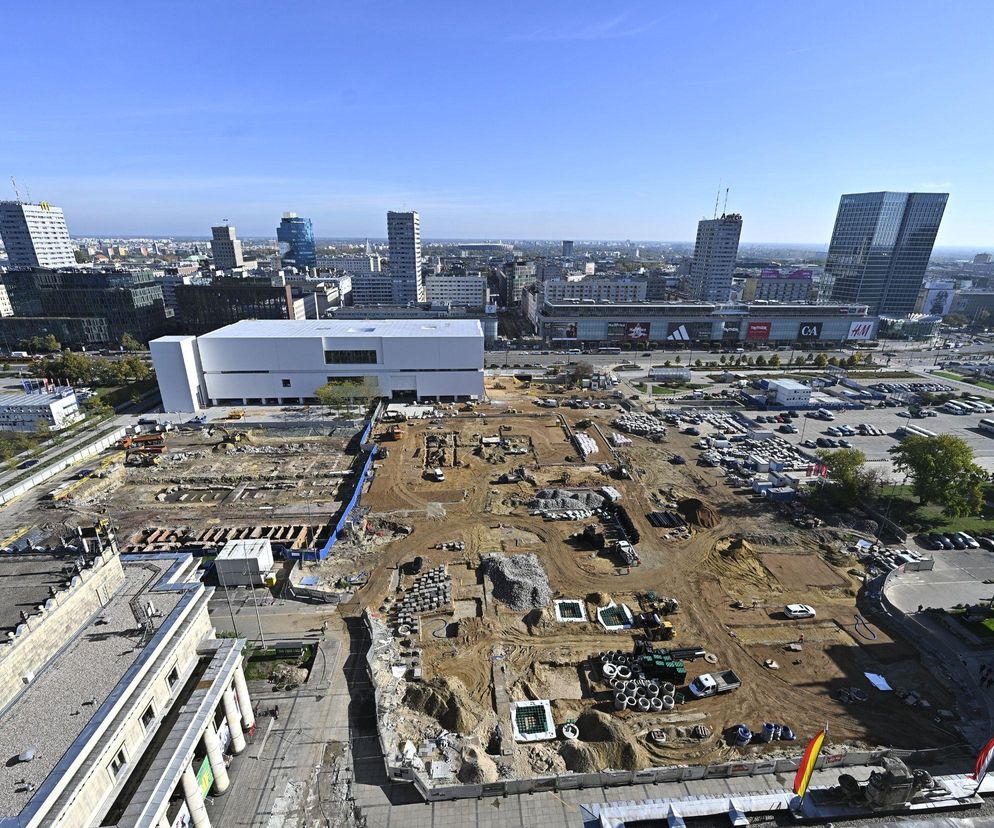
(198, 486)
(568, 599)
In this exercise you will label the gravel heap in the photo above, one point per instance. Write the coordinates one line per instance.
(558, 499)
(519, 581)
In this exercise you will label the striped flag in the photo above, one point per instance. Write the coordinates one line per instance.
(807, 767)
(983, 762)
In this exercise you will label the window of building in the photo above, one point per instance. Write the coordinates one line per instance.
(286, 383)
(118, 762)
(148, 716)
(172, 678)
(350, 357)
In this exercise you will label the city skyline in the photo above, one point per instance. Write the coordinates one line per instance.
(625, 123)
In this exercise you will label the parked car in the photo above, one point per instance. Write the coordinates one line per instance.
(799, 611)
(968, 540)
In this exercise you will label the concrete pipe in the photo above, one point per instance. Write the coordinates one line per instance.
(652, 689)
(609, 670)
(630, 701)
(620, 701)
(667, 689)
(571, 731)
(668, 702)
(643, 705)
(624, 672)
(655, 704)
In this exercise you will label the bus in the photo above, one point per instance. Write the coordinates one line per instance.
(986, 426)
(609, 350)
(910, 430)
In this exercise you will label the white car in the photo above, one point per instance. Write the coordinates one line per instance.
(798, 611)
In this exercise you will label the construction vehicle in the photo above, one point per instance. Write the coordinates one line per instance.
(892, 788)
(136, 457)
(656, 629)
(395, 433)
(711, 684)
(235, 414)
(142, 440)
(435, 474)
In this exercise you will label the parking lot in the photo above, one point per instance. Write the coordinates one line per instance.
(889, 420)
(958, 578)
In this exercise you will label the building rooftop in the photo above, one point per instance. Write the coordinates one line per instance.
(61, 709)
(308, 328)
(38, 398)
(24, 584)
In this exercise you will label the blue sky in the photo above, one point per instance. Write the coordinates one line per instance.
(584, 120)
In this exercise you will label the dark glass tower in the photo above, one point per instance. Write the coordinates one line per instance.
(296, 241)
(880, 248)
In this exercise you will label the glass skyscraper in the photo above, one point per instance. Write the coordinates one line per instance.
(295, 237)
(880, 248)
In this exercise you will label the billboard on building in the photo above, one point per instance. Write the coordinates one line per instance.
(809, 330)
(688, 331)
(758, 331)
(562, 330)
(637, 331)
(729, 331)
(861, 330)
(938, 299)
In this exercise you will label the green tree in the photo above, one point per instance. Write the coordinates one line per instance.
(774, 361)
(821, 360)
(849, 480)
(942, 471)
(697, 363)
(129, 343)
(761, 361)
(97, 406)
(579, 371)
(798, 360)
(833, 360)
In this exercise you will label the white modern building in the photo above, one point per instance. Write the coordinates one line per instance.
(118, 705)
(774, 285)
(283, 362)
(469, 289)
(6, 308)
(715, 251)
(788, 392)
(26, 411)
(404, 239)
(226, 248)
(35, 235)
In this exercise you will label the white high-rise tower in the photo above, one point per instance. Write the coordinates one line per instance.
(35, 235)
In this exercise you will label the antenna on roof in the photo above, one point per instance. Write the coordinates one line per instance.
(13, 183)
(717, 195)
(724, 207)
(27, 192)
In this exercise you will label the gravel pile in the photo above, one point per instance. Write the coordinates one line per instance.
(558, 499)
(519, 581)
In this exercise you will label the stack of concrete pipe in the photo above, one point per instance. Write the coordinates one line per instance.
(430, 592)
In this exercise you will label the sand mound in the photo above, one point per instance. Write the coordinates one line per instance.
(580, 757)
(698, 513)
(599, 599)
(610, 741)
(477, 768)
(519, 580)
(445, 699)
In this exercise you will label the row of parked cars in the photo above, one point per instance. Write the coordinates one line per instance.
(956, 540)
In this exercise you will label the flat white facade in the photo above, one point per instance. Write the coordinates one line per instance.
(24, 412)
(35, 235)
(470, 290)
(356, 265)
(279, 362)
(715, 251)
(404, 239)
(6, 309)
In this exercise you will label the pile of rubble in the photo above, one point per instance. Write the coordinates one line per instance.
(644, 425)
(519, 581)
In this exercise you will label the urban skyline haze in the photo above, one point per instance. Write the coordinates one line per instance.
(554, 120)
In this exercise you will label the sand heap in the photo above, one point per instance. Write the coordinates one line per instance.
(698, 513)
(477, 767)
(519, 581)
(446, 700)
(604, 743)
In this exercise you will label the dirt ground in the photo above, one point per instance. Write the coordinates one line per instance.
(753, 558)
(251, 481)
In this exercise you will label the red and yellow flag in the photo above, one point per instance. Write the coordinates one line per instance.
(803, 776)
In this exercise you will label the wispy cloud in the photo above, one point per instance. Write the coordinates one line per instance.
(609, 28)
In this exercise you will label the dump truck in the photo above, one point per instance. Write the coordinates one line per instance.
(395, 433)
(711, 684)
